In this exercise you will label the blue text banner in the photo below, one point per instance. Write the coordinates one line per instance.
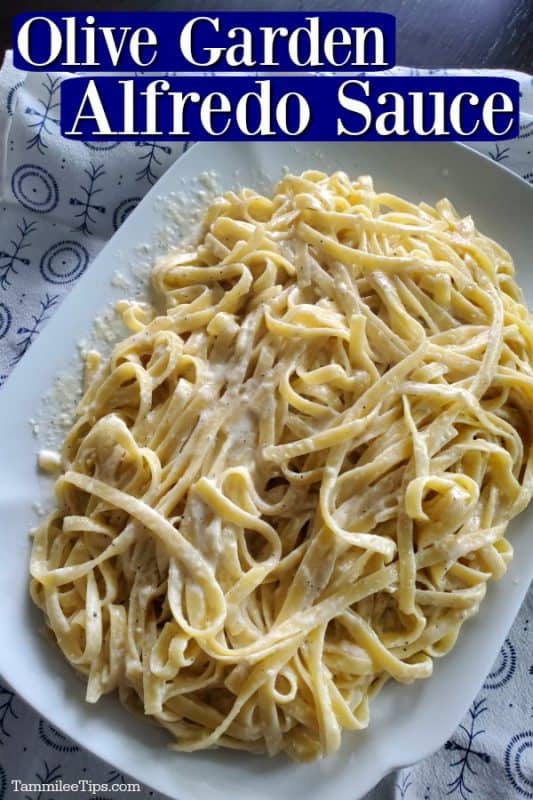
(217, 41)
(321, 108)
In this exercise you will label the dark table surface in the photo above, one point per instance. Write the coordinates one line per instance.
(430, 33)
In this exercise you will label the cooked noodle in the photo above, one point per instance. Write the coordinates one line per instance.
(294, 482)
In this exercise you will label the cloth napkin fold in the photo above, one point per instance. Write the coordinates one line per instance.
(60, 201)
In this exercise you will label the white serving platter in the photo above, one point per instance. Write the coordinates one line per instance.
(407, 722)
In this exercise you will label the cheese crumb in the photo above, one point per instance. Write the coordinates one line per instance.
(120, 281)
(49, 461)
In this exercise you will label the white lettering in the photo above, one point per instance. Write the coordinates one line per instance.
(128, 104)
(90, 42)
(312, 34)
(23, 41)
(156, 88)
(263, 99)
(269, 39)
(179, 103)
(438, 127)
(113, 48)
(186, 42)
(490, 109)
(304, 113)
(361, 51)
(245, 48)
(355, 106)
(456, 110)
(396, 114)
(143, 37)
(215, 103)
(93, 99)
(332, 41)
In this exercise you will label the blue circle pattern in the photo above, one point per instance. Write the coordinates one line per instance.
(98, 146)
(5, 320)
(11, 95)
(55, 739)
(504, 668)
(64, 262)
(123, 210)
(35, 188)
(520, 775)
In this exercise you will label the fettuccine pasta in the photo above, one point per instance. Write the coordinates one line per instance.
(292, 481)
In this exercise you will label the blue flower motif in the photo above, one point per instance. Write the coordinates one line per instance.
(87, 207)
(152, 158)
(12, 258)
(29, 334)
(46, 115)
(499, 154)
(7, 711)
(404, 785)
(46, 775)
(467, 753)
